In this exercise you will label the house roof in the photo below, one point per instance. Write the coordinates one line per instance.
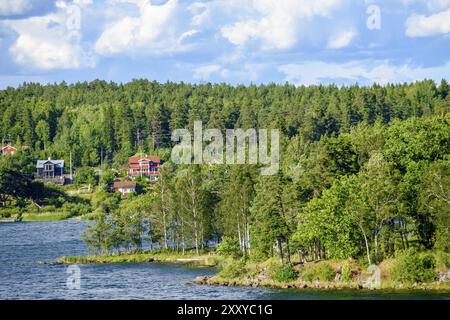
(58, 163)
(137, 159)
(8, 147)
(124, 184)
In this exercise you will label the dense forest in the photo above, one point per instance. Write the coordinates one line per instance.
(365, 171)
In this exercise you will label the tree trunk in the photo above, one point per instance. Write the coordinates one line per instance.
(375, 238)
(367, 248)
(239, 236)
(280, 249)
(183, 243)
(196, 240)
(288, 251)
(247, 227)
(165, 230)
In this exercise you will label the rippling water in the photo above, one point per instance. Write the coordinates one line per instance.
(24, 246)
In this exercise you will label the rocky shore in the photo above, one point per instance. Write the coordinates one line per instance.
(442, 284)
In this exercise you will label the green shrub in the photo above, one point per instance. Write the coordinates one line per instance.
(233, 269)
(229, 247)
(85, 175)
(308, 274)
(442, 260)
(9, 212)
(282, 273)
(323, 271)
(411, 266)
(346, 272)
(50, 208)
(76, 209)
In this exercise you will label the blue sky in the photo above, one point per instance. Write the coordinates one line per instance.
(238, 42)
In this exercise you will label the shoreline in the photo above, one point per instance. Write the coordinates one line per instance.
(212, 260)
(204, 260)
(320, 286)
(46, 217)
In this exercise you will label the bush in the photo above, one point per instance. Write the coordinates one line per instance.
(233, 269)
(323, 271)
(282, 273)
(346, 272)
(308, 274)
(229, 247)
(9, 212)
(76, 209)
(442, 260)
(50, 208)
(85, 175)
(411, 267)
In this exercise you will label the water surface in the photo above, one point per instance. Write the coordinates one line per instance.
(24, 246)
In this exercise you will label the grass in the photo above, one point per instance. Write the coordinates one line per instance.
(189, 258)
(46, 216)
(88, 216)
(256, 274)
(316, 275)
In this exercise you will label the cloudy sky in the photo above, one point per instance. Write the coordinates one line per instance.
(233, 41)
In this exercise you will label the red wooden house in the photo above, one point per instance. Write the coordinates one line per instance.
(144, 166)
(8, 150)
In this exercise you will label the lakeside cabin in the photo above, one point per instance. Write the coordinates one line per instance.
(144, 166)
(8, 150)
(124, 187)
(50, 171)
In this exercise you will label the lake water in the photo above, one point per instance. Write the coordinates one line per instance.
(24, 246)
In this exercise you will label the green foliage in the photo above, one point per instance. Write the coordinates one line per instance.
(322, 271)
(434, 202)
(282, 272)
(442, 260)
(346, 272)
(76, 209)
(15, 182)
(229, 247)
(270, 223)
(106, 180)
(236, 197)
(364, 170)
(411, 267)
(85, 175)
(9, 212)
(106, 202)
(233, 269)
(326, 219)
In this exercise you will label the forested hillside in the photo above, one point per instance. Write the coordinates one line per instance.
(365, 171)
(87, 118)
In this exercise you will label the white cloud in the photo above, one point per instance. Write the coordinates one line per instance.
(83, 2)
(278, 24)
(201, 13)
(205, 72)
(432, 5)
(341, 40)
(382, 72)
(48, 42)
(153, 30)
(436, 5)
(10, 7)
(423, 26)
